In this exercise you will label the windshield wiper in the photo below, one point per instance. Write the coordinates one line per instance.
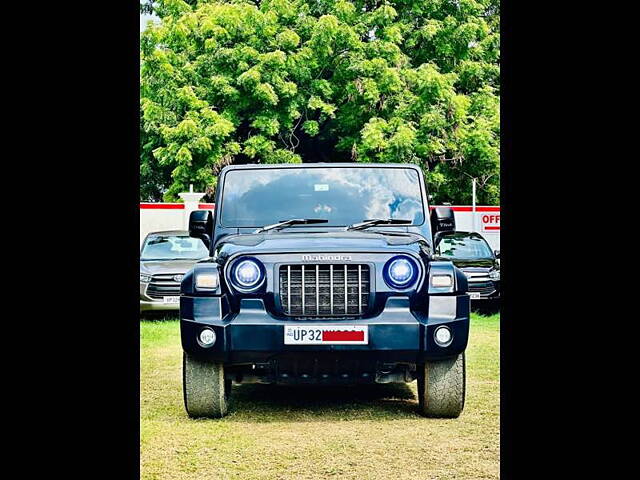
(378, 221)
(293, 221)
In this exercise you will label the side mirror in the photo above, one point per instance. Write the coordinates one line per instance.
(497, 253)
(201, 226)
(443, 220)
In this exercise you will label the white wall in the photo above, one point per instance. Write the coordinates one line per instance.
(157, 217)
(487, 222)
(174, 216)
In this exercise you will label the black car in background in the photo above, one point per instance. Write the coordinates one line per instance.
(471, 253)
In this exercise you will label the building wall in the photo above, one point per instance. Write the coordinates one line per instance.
(155, 217)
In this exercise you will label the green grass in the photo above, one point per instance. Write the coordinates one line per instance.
(276, 432)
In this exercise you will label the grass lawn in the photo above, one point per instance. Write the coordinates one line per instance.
(277, 432)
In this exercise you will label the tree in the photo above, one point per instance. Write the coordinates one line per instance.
(323, 80)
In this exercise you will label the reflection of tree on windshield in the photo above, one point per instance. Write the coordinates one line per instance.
(342, 196)
(288, 197)
(174, 248)
(467, 247)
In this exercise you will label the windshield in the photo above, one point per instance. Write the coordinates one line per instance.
(342, 195)
(173, 247)
(463, 247)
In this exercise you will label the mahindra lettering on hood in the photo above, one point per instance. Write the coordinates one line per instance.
(334, 283)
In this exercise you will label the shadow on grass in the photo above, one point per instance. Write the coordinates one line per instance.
(159, 316)
(281, 403)
(486, 307)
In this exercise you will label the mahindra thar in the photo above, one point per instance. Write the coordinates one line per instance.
(322, 274)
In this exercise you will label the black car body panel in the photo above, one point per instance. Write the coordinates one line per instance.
(483, 272)
(250, 327)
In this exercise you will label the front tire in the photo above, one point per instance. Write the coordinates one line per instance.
(206, 388)
(441, 387)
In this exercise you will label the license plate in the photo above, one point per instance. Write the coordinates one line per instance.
(326, 335)
(171, 300)
(474, 295)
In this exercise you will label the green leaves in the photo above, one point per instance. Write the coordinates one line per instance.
(282, 80)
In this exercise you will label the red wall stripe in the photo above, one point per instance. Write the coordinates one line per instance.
(165, 206)
(469, 209)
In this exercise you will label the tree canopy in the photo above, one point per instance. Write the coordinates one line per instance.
(272, 81)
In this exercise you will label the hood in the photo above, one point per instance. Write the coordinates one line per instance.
(313, 241)
(166, 266)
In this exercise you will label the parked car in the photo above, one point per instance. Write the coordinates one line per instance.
(164, 258)
(470, 252)
(322, 274)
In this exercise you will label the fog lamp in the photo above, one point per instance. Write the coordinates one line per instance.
(207, 337)
(442, 336)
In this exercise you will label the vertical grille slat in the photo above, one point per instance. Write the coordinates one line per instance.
(302, 288)
(331, 286)
(346, 290)
(360, 289)
(289, 289)
(324, 290)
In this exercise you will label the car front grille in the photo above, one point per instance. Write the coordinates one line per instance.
(163, 285)
(485, 288)
(319, 290)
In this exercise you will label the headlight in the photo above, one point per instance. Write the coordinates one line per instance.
(400, 272)
(247, 275)
(145, 278)
(494, 274)
(207, 280)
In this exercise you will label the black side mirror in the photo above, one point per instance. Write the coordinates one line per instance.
(497, 253)
(442, 220)
(201, 226)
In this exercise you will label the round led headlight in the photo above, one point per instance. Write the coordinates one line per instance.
(247, 275)
(442, 336)
(400, 272)
(207, 337)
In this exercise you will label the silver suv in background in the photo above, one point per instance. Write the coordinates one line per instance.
(164, 258)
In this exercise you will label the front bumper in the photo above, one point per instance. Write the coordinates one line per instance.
(253, 335)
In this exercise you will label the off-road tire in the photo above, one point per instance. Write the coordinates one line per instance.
(441, 387)
(205, 387)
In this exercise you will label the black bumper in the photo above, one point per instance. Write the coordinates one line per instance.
(252, 335)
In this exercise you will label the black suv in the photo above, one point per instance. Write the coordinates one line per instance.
(470, 252)
(322, 274)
